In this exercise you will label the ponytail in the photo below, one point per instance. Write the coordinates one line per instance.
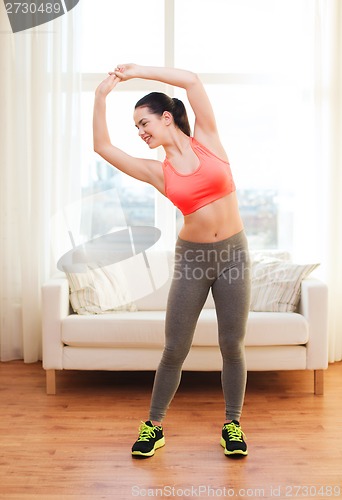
(157, 103)
(180, 116)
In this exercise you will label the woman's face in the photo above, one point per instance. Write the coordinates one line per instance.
(150, 127)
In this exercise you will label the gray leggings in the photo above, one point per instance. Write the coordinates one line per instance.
(222, 266)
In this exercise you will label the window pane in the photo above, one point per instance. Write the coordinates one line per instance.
(263, 130)
(230, 36)
(136, 198)
(120, 32)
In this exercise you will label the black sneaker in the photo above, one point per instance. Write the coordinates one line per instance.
(150, 438)
(232, 439)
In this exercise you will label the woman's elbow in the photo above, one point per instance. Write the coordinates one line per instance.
(193, 78)
(99, 150)
(99, 147)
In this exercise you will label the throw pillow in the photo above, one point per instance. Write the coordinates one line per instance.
(101, 290)
(276, 284)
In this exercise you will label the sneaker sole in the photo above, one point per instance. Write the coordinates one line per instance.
(235, 452)
(157, 444)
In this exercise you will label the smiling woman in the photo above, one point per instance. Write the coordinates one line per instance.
(195, 175)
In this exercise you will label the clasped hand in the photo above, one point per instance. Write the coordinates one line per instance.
(125, 71)
(122, 72)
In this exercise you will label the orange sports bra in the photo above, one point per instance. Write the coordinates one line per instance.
(211, 180)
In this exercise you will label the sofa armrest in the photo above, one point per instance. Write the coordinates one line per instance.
(314, 306)
(55, 307)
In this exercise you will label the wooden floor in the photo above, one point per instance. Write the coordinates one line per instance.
(76, 445)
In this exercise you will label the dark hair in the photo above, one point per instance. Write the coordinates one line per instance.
(157, 103)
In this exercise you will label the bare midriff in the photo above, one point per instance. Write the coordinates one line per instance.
(213, 222)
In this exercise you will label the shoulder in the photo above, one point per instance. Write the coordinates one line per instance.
(212, 143)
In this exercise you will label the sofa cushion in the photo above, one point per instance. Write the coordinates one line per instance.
(100, 290)
(269, 328)
(146, 328)
(276, 284)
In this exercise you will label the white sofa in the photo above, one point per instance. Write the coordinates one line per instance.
(126, 340)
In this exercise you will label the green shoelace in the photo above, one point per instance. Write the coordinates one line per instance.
(146, 432)
(234, 432)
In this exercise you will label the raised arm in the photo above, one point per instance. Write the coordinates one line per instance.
(205, 123)
(142, 169)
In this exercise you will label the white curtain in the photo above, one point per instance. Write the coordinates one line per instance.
(39, 160)
(328, 151)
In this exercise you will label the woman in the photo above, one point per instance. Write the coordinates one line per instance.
(211, 250)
